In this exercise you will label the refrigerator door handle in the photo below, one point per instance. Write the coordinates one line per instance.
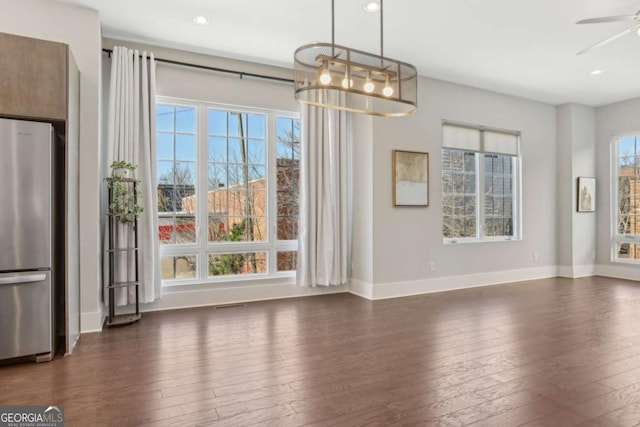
(22, 279)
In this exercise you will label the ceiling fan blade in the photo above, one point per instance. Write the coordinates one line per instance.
(609, 19)
(610, 39)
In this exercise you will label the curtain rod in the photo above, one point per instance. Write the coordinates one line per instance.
(220, 70)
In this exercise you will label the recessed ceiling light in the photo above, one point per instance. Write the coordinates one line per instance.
(372, 6)
(201, 20)
(596, 72)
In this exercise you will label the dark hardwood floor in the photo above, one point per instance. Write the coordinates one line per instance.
(554, 352)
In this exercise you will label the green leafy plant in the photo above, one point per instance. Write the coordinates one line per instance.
(123, 205)
(229, 263)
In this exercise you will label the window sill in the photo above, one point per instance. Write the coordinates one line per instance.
(182, 285)
(625, 261)
(485, 240)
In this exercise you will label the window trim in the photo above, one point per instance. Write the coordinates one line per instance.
(613, 200)
(202, 247)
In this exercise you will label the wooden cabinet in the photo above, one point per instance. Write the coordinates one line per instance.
(40, 81)
(34, 78)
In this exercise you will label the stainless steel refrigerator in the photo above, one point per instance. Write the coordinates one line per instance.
(26, 239)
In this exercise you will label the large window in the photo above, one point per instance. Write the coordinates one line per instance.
(480, 173)
(626, 203)
(227, 191)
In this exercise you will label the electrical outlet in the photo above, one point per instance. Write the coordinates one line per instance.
(432, 266)
(535, 257)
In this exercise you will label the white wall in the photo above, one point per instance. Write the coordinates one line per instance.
(564, 190)
(362, 202)
(576, 158)
(406, 240)
(583, 165)
(80, 29)
(611, 120)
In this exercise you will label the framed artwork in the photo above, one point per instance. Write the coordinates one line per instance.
(586, 194)
(410, 174)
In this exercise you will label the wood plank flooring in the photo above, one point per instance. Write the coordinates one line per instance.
(555, 352)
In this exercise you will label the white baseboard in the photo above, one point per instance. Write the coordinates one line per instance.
(91, 322)
(361, 289)
(565, 271)
(439, 284)
(185, 298)
(176, 299)
(576, 271)
(619, 271)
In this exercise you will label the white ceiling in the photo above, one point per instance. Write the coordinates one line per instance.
(525, 48)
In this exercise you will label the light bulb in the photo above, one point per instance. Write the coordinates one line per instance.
(368, 85)
(325, 76)
(347, 82)
(388, 90)
(372, 6)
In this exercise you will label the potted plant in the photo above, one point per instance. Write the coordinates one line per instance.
(122, 181)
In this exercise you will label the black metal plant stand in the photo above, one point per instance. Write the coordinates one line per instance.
(112, 285)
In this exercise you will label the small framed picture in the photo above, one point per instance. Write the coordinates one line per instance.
(410, 174)
(586, 194)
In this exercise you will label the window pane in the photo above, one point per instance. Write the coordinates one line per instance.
(217, 150)
(287, 228)
(186, 147)
(627, 147)
(237, 264)
(178, 267)
(165, 117)
(166, 229)
(287, 261)
(217, 176)
(185, 119)
(256, 152)
(498, 203)
(176, 175)
(628, 196)
(185, 228)
(237, 177)
(246, 229)
(217, 122)
(459, 194)
(628, 251)
(257, 175)
(164, 145)
(237, 124)
(256, 126)
(164, 172)
(236, 150)
(287, 177)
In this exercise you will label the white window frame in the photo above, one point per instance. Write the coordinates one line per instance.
(615, 236)
(516, 192)
(202, 248)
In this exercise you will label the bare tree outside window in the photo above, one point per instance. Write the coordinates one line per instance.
(474, 196)
(628, 197)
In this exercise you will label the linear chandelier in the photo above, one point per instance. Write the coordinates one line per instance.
(332, 76)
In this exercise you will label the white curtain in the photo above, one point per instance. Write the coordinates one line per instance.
(131, 137)
(323, 243)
